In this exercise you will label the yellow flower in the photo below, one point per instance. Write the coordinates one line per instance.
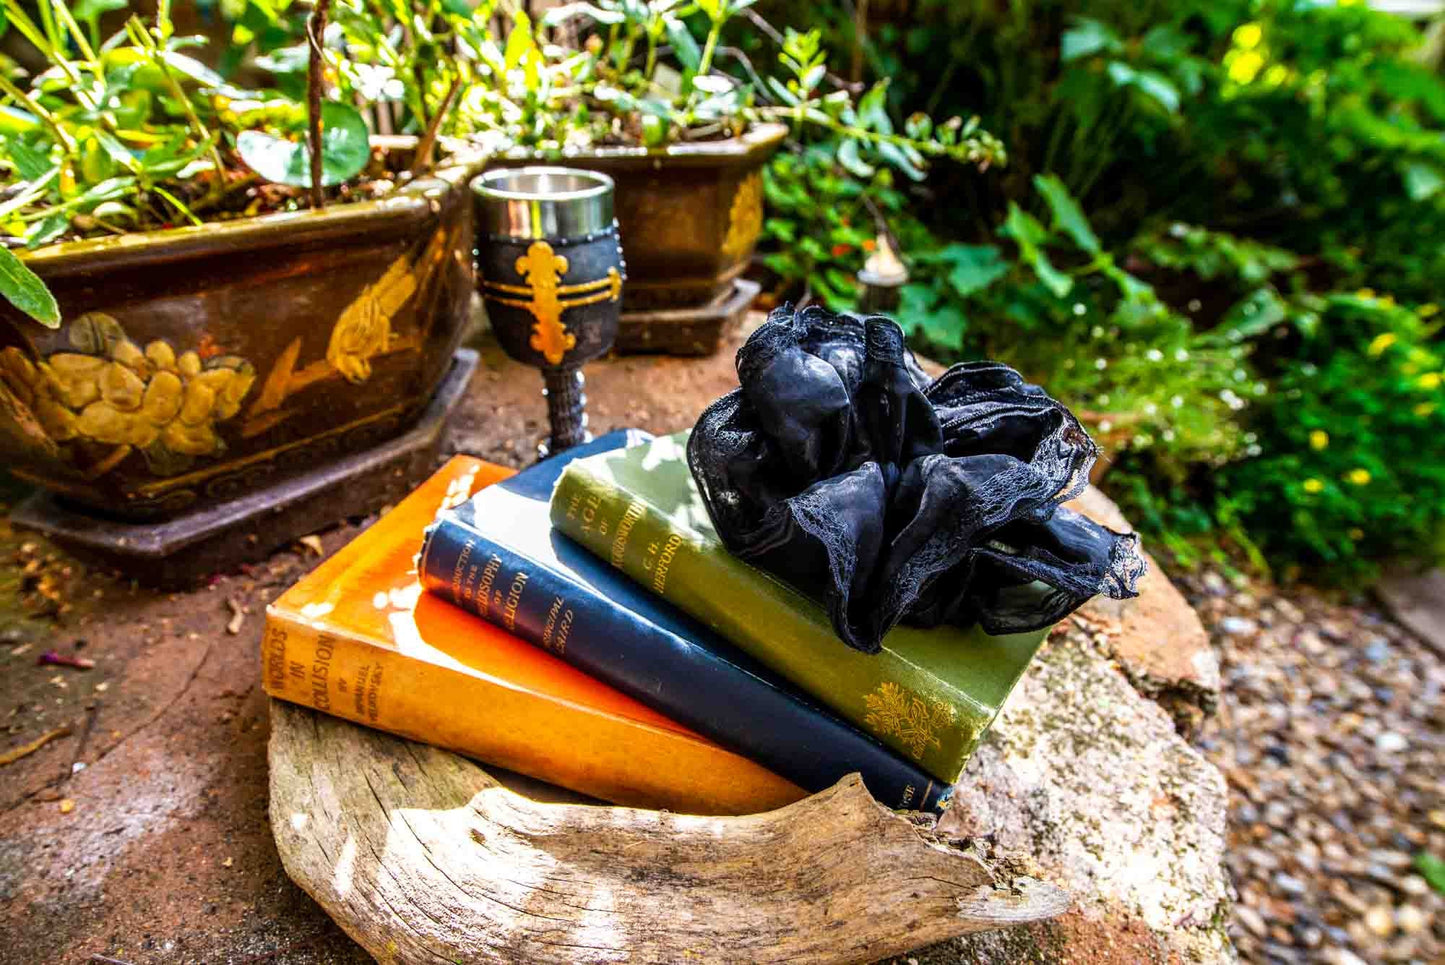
(1358, 477)
(1248, 35)
(1382, 342)
(1357, 533)
(1387, 301)
(1365, 293)
(1424, 409)
(1427, 309)
(1244, 66)
(1276, 75)
(1319, 439)
(1313, 485)
(1430, 380)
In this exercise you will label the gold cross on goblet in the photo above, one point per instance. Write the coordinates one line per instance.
(546, 297)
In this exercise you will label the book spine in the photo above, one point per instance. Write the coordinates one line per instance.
(689, 682)
(599, 755)
(897, 702)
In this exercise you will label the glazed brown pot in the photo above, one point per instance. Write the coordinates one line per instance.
(688, 214)
(198, 364)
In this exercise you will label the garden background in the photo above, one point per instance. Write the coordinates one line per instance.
(1219, 235)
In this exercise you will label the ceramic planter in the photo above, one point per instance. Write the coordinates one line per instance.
(689, 214)
(198, 364)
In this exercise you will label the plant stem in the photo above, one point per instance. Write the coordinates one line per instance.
(705, 64)
(146, 42)
(48, 50)
(62, 137)
(315, 80)
(651, 63)
(32, 193)
(424, 147)
(75, 32)
(178, 205)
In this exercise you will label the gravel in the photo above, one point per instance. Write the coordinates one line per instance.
(1329, 732)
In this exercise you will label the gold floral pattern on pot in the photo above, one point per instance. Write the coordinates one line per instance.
(111, 392)
(745, 218)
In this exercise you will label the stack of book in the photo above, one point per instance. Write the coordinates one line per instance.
(585, 626)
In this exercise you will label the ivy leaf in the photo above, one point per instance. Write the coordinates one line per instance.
(24, 289)
(1068, 216)
(345, 149)
(1088, 37)
(1029, 235)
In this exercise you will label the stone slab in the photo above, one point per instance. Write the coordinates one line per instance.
(1417, 600)
(1157, 638)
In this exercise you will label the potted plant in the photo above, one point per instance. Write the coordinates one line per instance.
(635, 89)
(180, 320)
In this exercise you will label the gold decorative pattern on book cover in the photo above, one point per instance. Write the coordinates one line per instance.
(895, 711)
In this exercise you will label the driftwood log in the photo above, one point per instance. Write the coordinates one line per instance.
(421, 856)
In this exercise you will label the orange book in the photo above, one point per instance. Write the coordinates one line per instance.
(357, 638)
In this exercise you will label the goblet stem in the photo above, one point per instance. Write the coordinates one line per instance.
(566, 403)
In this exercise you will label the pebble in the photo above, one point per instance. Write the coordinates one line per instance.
(1290, 885)
(1342, 956)
(1329, 732)
(1238, 626)
(1410, 920)
(1251, 919)
(1391, 743)
(1380, 920)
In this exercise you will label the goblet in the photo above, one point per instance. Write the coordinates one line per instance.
(550, 270)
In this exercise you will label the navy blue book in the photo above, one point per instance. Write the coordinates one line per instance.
(498, 556)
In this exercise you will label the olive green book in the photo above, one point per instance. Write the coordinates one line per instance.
(929, 694)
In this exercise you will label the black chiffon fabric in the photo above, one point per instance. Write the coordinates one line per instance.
(841, 468)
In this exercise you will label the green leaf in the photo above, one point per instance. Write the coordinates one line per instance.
(975, 267)
(47, 229)
(684, 44)
(286, 60)
(895, 156)
(1029, 235)
(848, 157)
(1159, 87)
(15, 121)
(345, 149)
(1253, 315)
(30, 164)
(559, 15)
(519, 40)
(24, 289)
(1068, 216)
(1422, 180)
(1148, 82)
(1432, 869)
(1088, 37)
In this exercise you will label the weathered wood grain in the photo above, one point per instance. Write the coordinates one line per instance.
(422, 857)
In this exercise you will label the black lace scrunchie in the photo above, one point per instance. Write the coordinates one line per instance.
(840, 468)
